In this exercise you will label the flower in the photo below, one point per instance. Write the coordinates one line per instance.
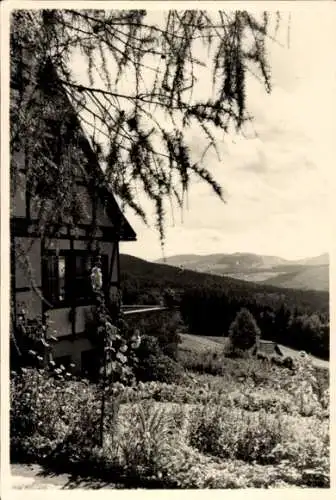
(96, 278)
(136, 340)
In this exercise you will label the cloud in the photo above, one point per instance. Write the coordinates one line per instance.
(276, 181)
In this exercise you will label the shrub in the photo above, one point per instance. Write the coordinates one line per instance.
(153, 365)
(149, 346)
(288, 362)
(262, 356)
(277, 360)
(46, 411)
(146, 433)
(243, 331)
(235, 353)
(165, 327)
(159, 368)
(259, 437)
(229, 434)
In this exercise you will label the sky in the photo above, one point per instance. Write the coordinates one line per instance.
(276, 181)
(276, 178)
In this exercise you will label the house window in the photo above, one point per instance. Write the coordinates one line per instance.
(67, 278)
(81, 285)
(55, 278)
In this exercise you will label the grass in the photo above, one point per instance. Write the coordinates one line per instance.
(197, 343)
(200, 343)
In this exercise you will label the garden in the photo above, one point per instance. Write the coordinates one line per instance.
(226, 423)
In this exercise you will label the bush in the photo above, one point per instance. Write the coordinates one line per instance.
(259, 437)
(262, 356)
(159, 368)
(243, 331)
(288, 362)
(149, 346)
(235, 353)
(45, 412)
(153, 365)
(164, 327)
(277, 360)
(232, 434)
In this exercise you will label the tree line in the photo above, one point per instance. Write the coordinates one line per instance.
(211, 311)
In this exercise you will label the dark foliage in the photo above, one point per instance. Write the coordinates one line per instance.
(243, 331)
(209, 304)
(163, 327)
(159, 368)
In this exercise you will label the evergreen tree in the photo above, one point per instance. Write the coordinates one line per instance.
(243, 331)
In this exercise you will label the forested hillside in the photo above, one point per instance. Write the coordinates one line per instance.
(143, 282)
(209, 303)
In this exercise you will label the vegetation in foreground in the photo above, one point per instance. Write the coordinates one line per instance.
(183, 419)
(254, 425)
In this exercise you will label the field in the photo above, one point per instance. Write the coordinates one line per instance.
(201, 343)
(249, 424)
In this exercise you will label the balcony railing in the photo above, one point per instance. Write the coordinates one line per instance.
(141, 309)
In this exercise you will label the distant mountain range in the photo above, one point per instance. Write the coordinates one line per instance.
(306, 274)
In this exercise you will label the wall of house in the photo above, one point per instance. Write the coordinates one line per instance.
(61, 319)
(73, 348)
(66, 322)
(102, 217)
(30, 302)
(18, 201)
(63, 325)
(86, 199)
(27, 269)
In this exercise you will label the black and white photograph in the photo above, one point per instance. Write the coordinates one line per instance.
(168, 244)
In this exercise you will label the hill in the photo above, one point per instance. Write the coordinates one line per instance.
(320, 260)
(225, 262)
(155, 274)
(307, 278)
(259, 268)
(208, 303)
(144, 282)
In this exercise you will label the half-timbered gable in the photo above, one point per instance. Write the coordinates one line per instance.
(51, 272)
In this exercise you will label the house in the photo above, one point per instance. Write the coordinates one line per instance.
(59, 265)
(267, 347)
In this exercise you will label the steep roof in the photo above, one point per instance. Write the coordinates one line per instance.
(126, 232)
(93, 168)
